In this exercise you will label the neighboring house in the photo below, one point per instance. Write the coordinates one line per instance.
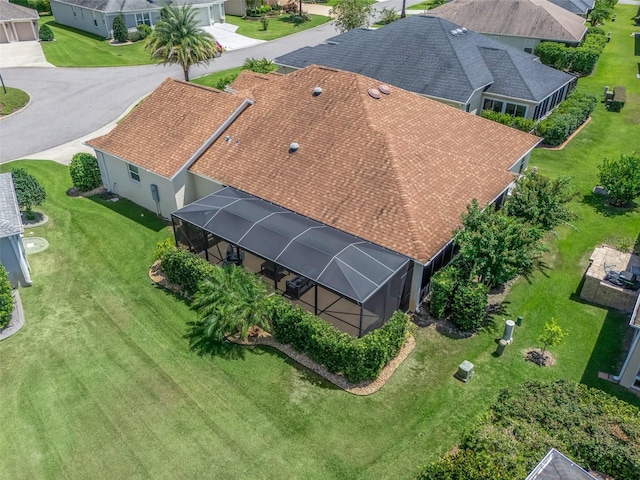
(440, 60)
(17, 23)
(579, 7)
(556, 466)
(321, 174)
(96, 16)
(13, 255)
(630, 373)
(522, 24)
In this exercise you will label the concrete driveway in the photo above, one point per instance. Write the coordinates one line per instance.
(225, 34)
(22, 54)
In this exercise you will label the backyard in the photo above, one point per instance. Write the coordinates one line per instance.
(100, 383)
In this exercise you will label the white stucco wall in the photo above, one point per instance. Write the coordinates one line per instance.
(80, 18)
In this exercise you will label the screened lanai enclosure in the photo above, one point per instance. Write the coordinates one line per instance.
(349, 282)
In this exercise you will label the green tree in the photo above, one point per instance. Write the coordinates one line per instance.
(28, 191)
(46, 34)
(388, 15)
(6, 299)
(469, 305)
(495, 247)
(231, 302)
(177, 39)
(552, 334)
(350, 14)
(540, 201)
(621, 178)
(84, 171)
(120, 32)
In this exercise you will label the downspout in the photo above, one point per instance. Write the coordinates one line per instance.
(220, 130)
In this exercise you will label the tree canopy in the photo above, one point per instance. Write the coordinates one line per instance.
(350, 14)
(621, 178)
(177, 39)
(28, 190)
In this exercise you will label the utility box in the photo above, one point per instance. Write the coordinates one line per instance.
(465, 371)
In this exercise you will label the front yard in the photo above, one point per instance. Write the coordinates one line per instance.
(278, 26)
(101, 383)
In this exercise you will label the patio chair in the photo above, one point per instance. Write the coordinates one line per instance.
(232, 256)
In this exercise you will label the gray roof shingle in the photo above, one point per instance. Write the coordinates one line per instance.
(10, 11)
(10, 219)
(115, 6)
(434, 62)
(579, 7)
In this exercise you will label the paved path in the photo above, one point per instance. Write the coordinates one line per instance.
(68, 104)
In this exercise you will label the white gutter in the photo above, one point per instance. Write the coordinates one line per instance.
(243, 106)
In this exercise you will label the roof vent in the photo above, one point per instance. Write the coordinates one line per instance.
(453, 32)
(317, 91)
(227, 138)
(460, 31)
(293, 147)
(374, 93)
(384, 89)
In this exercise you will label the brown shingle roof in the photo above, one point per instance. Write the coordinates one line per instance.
(397, 171)
(537, 19)
(169, 126)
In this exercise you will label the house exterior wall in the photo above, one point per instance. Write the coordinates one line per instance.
(521, 43)
(475, 103)
(236, 7)
(11, 250)
(202, 187)
(631, 368)
(121, 183)
(489, 101)
(80, 18)
(19, 31)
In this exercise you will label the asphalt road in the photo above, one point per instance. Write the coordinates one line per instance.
(69, 103)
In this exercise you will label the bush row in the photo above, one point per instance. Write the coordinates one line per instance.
(182, 267)
(521, 123)
(6, 299)
(580, 60)
(566, 118)
(358, 359)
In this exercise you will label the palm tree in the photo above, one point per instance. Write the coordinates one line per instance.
(177, 39)
(230, 303)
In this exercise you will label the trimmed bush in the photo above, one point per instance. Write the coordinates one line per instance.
(443, 286)
(144, 30)
(120, 32)
(520, 123)
(6, 299)
(183, 267)
(469, 305)
(134, 37)
(579, 60)
(84, 171)
(619, 98)
(566, 118)
(46, 34)
(28, 191)
(358, 359)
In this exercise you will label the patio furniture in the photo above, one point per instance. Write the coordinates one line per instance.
(233, 257)
(298, 286)
(270, 269)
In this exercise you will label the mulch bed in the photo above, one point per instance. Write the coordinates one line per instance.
(257, 336)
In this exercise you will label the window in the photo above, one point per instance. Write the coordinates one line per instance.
(134, 173)
(143, 18)
(515, 110)
(74, 11)
(494, 105)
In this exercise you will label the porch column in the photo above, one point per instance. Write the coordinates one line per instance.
(416, 286)
(631, 366)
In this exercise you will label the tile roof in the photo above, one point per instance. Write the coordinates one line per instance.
(11, 11)
(434, 62)
(397, 171)
(538, 19)
(169, 126)
(579, 7)
(10, 218)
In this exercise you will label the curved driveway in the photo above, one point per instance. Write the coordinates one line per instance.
(69, 103)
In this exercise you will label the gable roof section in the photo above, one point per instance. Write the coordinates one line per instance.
(10, 218)
(538, 19)
(123, 6)
(397, 171)
(169, 126)
(579, 7)
(11, 11)
(434, 62)
(556, 466)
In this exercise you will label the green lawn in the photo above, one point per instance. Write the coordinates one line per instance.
(426, 5)
(75, 48)
(11, 100)
(100, 383)
(278, 26)
(213, 78)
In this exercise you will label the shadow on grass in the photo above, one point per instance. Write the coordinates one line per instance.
(133, 212)
(599, 204)
(52, 23)
(608, 356)
(203, 345)
(304, 373)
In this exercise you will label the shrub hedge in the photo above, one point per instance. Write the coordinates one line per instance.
(182, 267)
(580, 60)
(521, 123)
(619, 98)
(443, 285)
(6, 299)
(566, 118)
(84, 171)
(358, 359)
(469, 305)
(45, 33)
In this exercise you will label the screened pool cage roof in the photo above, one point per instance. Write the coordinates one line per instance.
(337, 260)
